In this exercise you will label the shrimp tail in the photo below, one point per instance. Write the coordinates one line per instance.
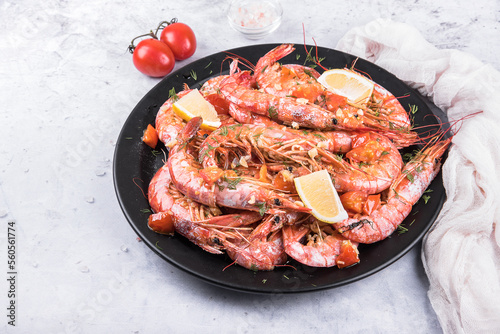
(190, 130)
(272, 57)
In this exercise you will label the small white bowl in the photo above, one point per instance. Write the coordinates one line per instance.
(254, 19)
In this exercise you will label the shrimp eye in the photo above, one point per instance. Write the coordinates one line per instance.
(276, 219)
(334, 120)
(277, 202)
(217, 241)
(290, 169)
(205, 135)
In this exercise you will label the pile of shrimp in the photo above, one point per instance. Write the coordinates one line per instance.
(231, 190)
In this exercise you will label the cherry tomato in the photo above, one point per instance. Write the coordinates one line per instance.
(353, 201)
(220, 104)
(282, 182)
(366, 149)
(372, 203)
(368, 152)
(348, 255)
(150, 136)
(263, 174)
(161, 222)
(180, 38)
(153, 58)
(211, 174)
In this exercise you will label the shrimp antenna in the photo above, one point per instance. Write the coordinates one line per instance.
(244, 61)
(354, 69)
(315, 59)
(138, 186)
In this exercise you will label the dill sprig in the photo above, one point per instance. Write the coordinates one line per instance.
(262, 208)
(193, 75)
(402, 229)
(173, 95)
(413, 108)
(273, 113)
(232, 183)
(426, 198)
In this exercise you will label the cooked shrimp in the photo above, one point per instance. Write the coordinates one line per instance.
(185, 169)
(404, 192)
(285, 109)
(316, 244)
(382, 113)
(228, 189)
(232, 189)
(211, 88)
(333, 141)
(374, 162)
(262, 249)
(202, 225)
(211, 93)
(277, 143)
(168, 124)
(262, 254)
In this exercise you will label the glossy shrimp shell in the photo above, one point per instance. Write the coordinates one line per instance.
(262, 254)
(163, 197)
(262, 249)
(168, 124)
(318, 251)
(202, 225)
(285, 109)
(333, 141)
(382, 113)
(405, 191)
(230, 190)
(185, 169)
(371, 166)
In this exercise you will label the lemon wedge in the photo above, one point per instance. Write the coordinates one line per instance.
(317, 192)
(355, 87)
(192, 105)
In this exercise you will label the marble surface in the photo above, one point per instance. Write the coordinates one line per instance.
(68, 84)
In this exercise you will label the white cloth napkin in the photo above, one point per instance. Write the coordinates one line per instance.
(461, 253)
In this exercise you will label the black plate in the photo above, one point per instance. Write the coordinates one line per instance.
(135, 164)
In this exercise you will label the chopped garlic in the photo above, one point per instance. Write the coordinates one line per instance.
(172, 143)
(287, 176)
(243, 162)
(251, 200)
(313, 152)
(295, 125)
(322, 144)
(302, 100)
